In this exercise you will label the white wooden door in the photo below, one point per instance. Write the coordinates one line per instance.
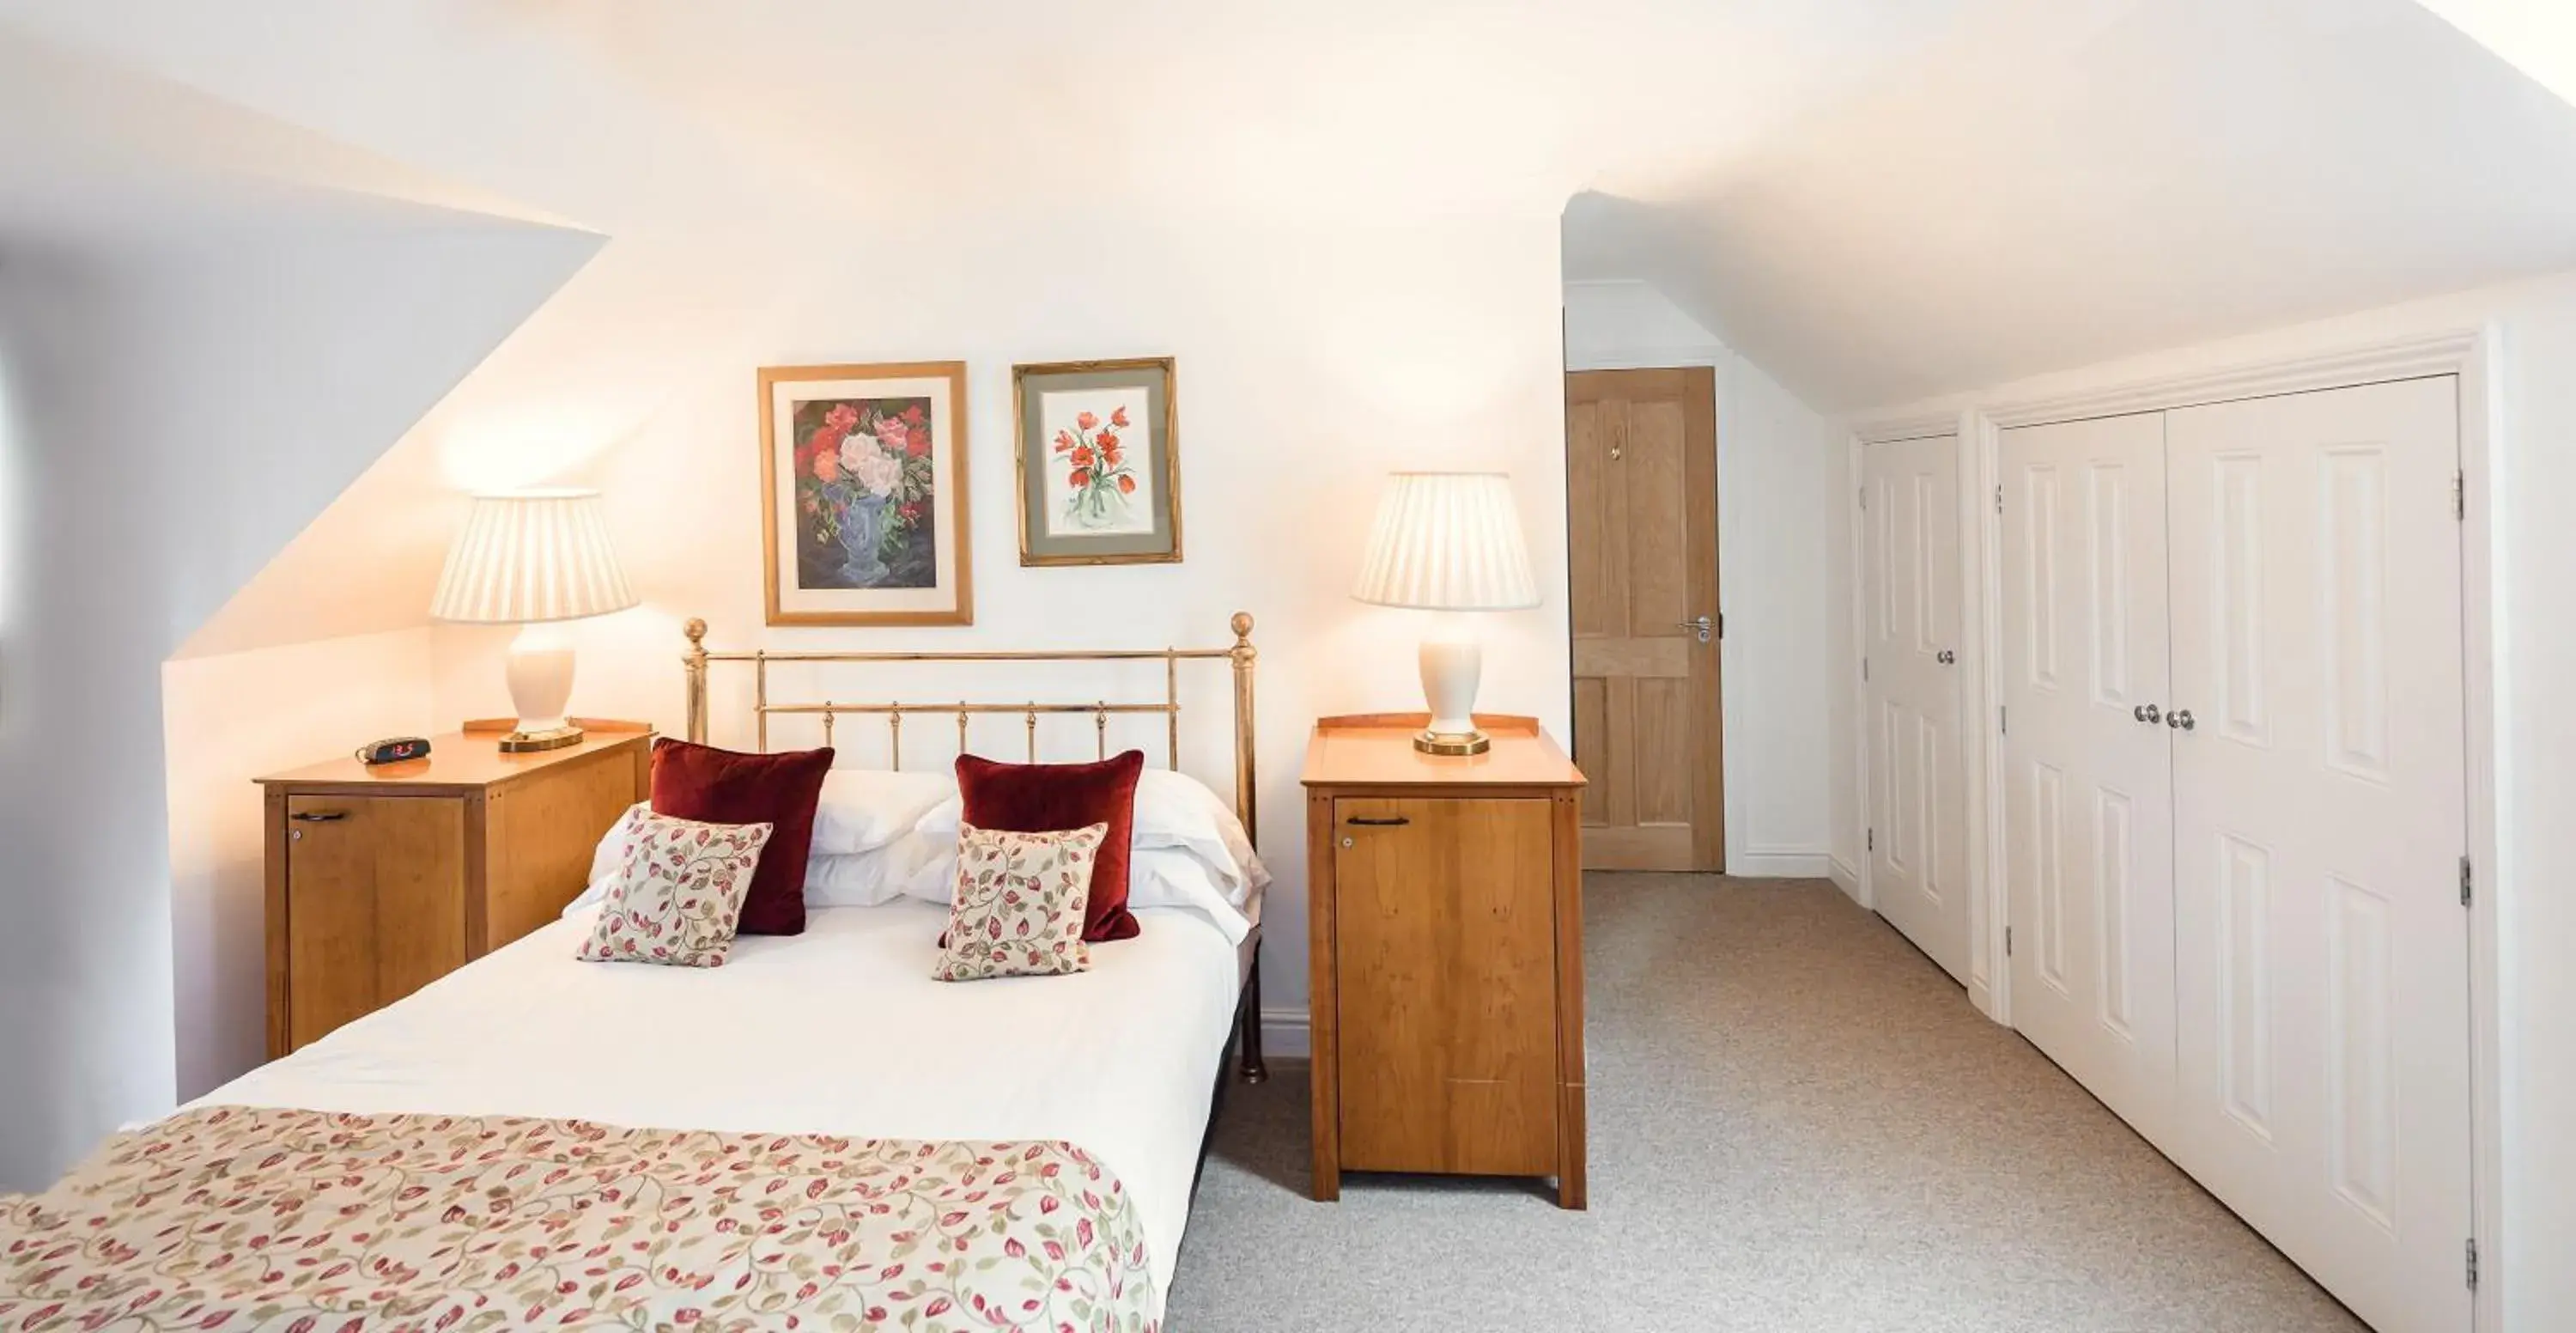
(2319, 755)
(2088, 813)
(1918, 779)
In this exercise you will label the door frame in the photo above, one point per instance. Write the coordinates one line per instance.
(2468, 353)
(1720, 363)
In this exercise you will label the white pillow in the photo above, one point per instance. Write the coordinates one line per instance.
(1173, 810)
(610, 853)
(863, 809)
(867, 879)
(1156, 877)
(858, 879)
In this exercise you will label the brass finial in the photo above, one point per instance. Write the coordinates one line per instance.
(696, 629)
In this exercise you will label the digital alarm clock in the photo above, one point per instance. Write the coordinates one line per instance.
(394, 750)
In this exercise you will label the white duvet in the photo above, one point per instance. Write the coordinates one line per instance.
(839, 1030)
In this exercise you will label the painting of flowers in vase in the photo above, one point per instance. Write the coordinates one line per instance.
(1098, 468)
(863, 491)
(865, 495)
(1095, 485)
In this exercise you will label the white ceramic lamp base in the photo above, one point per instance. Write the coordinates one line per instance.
(1450, 668)
(540, 673)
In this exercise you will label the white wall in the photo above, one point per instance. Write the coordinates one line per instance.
(1775, 460)
(1342, 353)
(185, 394)
(2532, 476)
(226, 718)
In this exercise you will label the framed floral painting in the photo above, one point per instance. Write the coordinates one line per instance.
(1099, 462)
(863, 494)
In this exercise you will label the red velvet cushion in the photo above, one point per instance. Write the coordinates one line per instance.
(722, 787)
(1051, 798)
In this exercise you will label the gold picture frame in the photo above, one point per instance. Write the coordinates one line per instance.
(863, 494)
(1089, 491)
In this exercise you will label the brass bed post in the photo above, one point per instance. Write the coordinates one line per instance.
(1246, 802)
(696, 661)
(1243, 656)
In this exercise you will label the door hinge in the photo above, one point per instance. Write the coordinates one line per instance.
(2003, 720)
(1721, 624)
(2473, 1263)
(1999, 499)
(2460, 496)
(1873, 841)
(2007, 941)
(1864, 668)
(2468, 882)
(1864, 497)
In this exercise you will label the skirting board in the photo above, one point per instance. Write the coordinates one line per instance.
(1844, 876)
(1285, 1032)
(1779, 863)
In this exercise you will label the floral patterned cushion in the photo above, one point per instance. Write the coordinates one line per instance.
(678, 892)
(1019, 905)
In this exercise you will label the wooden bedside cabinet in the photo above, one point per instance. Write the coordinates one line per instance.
(1445, 901)
(382, 880)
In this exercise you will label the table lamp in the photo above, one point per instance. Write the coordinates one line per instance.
(1448, 541)
(533, 559)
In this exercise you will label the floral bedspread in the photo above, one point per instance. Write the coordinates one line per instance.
(240, 1219)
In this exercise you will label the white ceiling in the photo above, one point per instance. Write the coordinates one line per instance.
(1874, 199)
(2183, 170)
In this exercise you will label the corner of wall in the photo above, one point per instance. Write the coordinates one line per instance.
(227, 719)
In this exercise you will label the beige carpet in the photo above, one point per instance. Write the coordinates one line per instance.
(1797, 1124)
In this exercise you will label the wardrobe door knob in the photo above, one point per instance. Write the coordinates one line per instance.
(2147, 713)
(2179, 719)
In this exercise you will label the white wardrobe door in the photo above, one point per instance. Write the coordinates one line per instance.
(2088, 812)
(2321, 948)
(1918, 797)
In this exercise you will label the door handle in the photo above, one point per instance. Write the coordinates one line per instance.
(1372, 821)
(2179, 719)
(2147, 713)
(1705, 627)
(1945, 657)
(319, 816)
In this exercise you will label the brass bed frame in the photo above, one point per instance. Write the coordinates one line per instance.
(1247, 1020)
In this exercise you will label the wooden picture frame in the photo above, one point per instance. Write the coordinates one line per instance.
(1097, 462)
(863, 514)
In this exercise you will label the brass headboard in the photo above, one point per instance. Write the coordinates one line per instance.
(1241, 655)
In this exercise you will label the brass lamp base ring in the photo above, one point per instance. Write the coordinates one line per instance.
(529, 742)
(1452, 743)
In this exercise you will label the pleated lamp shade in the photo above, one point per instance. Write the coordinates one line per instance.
(1448, 541)
(531, 556)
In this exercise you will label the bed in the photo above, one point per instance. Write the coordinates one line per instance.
(815, 1135)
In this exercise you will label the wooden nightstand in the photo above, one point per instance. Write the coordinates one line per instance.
(382, 880)
(1445, 900)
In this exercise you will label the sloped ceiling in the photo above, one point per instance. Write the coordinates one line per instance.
(275, 308)
(1873, 199)
(2538, 36)
(2183, 170)
(728, 150)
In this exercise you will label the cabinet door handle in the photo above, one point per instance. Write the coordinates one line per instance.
(319, 816)
(1373, 821)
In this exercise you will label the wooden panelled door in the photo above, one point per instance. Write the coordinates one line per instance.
(1641, 478)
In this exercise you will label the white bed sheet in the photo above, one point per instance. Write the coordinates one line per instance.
(839, 1031)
